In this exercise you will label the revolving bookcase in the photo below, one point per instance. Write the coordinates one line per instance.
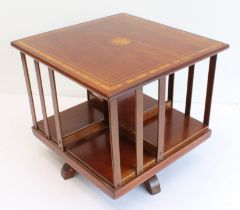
(119, 138)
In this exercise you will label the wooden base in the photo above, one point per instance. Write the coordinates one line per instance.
(152, 185)
(67, 171)
(104, 186)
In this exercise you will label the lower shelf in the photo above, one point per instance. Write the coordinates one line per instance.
(92, 152)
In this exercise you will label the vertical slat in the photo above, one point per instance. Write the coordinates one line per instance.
(139, 129)
(208, 102)
(88, 94)
(189, 90)
(171, 88)
(106, 116)
(42, 100)
(29, 89)
(56, 109)
(161, 117)
(114, 141)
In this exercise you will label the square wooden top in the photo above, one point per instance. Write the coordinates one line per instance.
(119, 52)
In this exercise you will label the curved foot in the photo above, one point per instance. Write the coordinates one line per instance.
(152, 185)
(67, 171)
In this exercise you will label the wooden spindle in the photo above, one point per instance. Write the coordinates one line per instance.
(161, 117)
(139, 129)
(114, 141)
(56, 108)
(42, 99)
(208, 101)
(88, 95)
(171, 88)
(29, 89)
(106, 116)
(189, 90)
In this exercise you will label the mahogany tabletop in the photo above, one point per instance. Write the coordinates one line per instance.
(116, 53)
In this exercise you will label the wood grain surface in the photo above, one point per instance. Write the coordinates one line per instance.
(115, 53)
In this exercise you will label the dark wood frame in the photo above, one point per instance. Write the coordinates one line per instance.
(110, 109)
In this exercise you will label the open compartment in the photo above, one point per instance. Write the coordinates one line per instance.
(86, 137)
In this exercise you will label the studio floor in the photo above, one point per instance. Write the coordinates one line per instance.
(208, 177)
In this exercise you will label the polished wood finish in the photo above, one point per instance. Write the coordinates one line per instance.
(97, 144)
(107, 42)
(152, 185)
(42, 100)
(211, 76)
(71, 125)
(85, 131)
(161, 118)
(127, 109)
(198, 139)
(75, 164)
(175, 135)
(139, 129)
(106, 187)
(29, 89)
(114, 142)
(99, 103)
(189, 90)
(67, 171)
(95, 152)
(56, 109)
(120, 138)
